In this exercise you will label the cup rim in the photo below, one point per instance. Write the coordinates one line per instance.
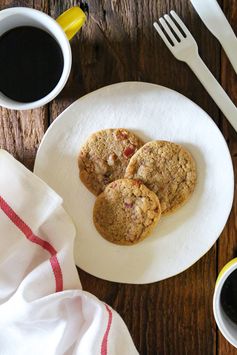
(67, 54)
(216, 299)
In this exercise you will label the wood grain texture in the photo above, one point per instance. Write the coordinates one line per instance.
(118, 43)
(227, 245)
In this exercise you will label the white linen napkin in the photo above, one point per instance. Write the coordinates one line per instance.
(43, 309)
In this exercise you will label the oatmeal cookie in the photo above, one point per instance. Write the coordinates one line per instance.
(105, 156)
(167, 169)
(126, 212)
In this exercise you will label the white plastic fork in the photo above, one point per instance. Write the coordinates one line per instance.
(184, 48)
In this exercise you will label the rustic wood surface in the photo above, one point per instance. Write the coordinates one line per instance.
(118, 43)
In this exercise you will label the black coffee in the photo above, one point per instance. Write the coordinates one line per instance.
(31, 63)
(229, 296)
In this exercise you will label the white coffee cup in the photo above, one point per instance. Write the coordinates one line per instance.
(62, 29)
(225, 325)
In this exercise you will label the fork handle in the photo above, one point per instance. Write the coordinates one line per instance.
(214, 89)
(229, 44)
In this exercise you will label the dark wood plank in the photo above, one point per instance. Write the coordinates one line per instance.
(227, 246)
(170, 317)
(119, 43)
(22, 131)
(77, 82)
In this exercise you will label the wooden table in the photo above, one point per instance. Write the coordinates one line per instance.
(118, 43)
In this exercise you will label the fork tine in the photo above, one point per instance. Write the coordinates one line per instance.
(180, 23)
(167, 30)
(163, 36)
(173, 26)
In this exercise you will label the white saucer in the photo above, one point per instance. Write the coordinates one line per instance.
(153, 112)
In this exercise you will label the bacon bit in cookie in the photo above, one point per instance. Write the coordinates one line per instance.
(128, 205)
(121, 135)
(129, 151)
(156, 210)
(137, 182)
(113, 185)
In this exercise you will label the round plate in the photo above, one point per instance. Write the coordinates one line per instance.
(153, 112)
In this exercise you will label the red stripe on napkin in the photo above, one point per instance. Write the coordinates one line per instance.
(25, 229)
(104, 344)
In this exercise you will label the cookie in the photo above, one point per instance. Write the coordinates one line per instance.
(167, 169)
(105, 156)
(126, 212)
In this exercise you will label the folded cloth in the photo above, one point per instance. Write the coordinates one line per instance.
(43, 309)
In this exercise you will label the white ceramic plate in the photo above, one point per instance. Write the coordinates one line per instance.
(153, 112)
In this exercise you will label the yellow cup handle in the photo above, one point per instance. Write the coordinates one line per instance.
(71, 21)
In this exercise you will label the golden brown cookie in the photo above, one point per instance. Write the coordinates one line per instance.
(126, 212)
(105, 156)
(167, 169)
